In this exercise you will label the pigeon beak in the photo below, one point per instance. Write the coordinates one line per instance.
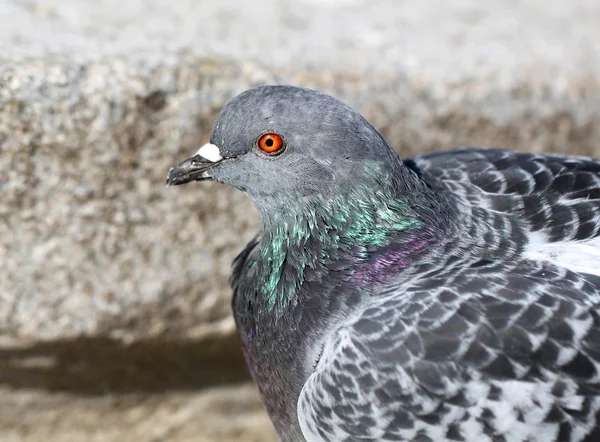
(196, 168)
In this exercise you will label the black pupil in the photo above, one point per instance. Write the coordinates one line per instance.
(269, 142)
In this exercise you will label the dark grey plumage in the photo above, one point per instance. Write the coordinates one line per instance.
(450, 296)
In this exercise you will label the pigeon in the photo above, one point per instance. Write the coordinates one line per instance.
(450, 296)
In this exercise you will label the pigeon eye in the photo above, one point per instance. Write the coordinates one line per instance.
(270, 143)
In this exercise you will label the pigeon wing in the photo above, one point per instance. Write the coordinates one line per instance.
(495, 354)
(558, 195)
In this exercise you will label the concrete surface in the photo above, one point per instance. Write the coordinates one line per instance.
(434, 39)
(226, 414)
(102, 264)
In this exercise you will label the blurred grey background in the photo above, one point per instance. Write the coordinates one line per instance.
(114, 304)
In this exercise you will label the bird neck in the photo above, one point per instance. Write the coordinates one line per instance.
(359, 234)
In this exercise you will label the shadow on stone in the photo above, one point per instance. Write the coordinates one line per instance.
(94, 366)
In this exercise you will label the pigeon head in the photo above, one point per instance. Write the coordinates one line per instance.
(331, 192)
(284, 145)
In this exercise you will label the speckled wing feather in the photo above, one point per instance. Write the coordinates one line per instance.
(493, 353)
(557, 194)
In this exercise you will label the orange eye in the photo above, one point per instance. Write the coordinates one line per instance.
(270, 143)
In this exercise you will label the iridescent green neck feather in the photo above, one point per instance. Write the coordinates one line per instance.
(312, 235)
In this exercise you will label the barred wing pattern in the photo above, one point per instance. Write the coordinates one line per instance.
(556, 194)
(500, 354)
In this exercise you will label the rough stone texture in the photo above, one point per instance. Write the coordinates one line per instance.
(95, 107)
(111, 284)
(225, 414)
